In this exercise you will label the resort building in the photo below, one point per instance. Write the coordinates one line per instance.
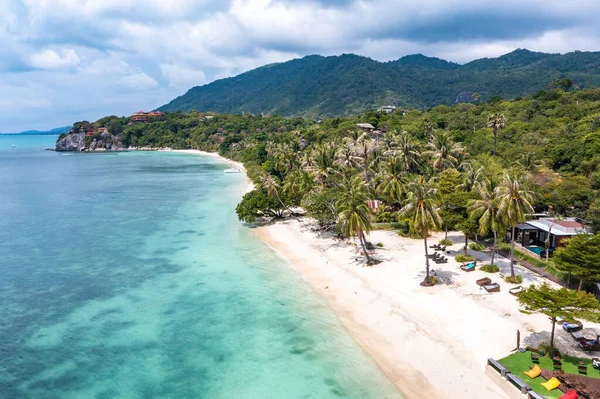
(388, 109)
(533, 235)
(142, 116)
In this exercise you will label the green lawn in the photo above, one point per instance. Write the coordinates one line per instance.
(519, 362)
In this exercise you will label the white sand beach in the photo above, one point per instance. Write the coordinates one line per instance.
(432, 342)
(238, 165)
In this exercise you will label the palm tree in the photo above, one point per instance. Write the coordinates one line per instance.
(353, 212)
(270, 184)
(363, 148)
(408, 150)
(323, 159)
(391, 187)
(515, 204)
(486, 210)
(472, 177)
(421, 212)
(345, 157)
(297, 183)
(496, 122)
(529, 162)
(444, 151)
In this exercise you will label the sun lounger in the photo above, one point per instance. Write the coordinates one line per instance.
(572, 326)
(516, 291)
(551, 384)
(495, 287)
(534, 372)
(440, 249)
(468, 268)
(434, 246)
(483, 281)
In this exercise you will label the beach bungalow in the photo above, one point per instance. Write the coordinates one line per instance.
(532, 235)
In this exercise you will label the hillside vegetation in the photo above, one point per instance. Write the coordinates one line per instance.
(317, 86)
(435, 169)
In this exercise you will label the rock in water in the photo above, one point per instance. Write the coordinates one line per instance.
(71, 142)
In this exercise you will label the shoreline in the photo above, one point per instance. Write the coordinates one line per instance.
(354, 314)
(430, 342)
(409, 344)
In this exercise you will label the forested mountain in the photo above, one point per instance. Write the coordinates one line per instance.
(317, 86)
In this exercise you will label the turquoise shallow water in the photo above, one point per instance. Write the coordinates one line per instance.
(128, 276)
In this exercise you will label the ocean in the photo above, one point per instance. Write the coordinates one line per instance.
(127, 275)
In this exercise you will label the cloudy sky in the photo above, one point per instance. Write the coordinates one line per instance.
(68, 60)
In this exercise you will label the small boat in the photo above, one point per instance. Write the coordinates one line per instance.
(14, 146)
(232, 169)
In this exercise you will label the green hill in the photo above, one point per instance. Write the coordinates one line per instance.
(317, 86)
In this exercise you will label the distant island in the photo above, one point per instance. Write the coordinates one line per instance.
(317, 86)
(54, 132)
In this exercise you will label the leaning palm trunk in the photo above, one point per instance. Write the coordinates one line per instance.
(512, 252)
(363, 240)
(367, 178)
(285, 207)
(426, 261)
(494, 247)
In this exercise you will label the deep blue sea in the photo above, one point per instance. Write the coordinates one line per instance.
(127, 275)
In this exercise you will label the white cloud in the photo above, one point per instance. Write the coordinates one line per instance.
(51, 59)
(182, 76)
(138, 81)
(124, 55)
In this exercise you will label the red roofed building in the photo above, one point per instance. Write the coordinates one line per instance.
(142, 116)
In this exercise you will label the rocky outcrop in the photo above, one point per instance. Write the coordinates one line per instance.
(79, 142)
(71, 142)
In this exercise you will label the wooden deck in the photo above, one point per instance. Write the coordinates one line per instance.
(586, 387)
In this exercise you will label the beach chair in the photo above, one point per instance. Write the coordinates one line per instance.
(483, 281)
(467, 267)
(551, 384)
(535, 357)
(589, 345)
(494, 287)
(582, 368)
(572, 326)
(534, 372)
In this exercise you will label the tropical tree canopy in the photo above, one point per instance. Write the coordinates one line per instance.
(570, 305)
